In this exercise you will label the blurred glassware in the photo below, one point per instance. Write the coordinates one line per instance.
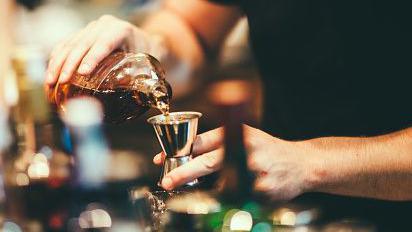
(187, 212)
(290, 217)
(83, 117)
(36, 170)
(126, 84)
(97, 201)
(140, 198)
(241, 207)
(150, 206)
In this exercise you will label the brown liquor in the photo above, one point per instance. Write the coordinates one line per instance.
(126, 84)
(119, 104)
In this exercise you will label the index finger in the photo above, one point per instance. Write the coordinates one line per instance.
(203, 143)
(208, 141)
(199, 166)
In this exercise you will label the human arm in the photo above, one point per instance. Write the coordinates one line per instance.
(374, 167)
(189, 29)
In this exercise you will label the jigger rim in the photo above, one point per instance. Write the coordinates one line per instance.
(160, 118)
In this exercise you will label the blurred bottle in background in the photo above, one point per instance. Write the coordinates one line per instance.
(93, 204)
(240, 207)
(91, 154)
(36, 170)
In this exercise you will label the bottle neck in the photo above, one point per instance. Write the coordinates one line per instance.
(236, 179)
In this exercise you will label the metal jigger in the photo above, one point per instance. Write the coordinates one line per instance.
(176, 134)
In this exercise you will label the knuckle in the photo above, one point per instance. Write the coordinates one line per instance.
(107, 17)
(127, 30)
(99, 50)
(77, 53)
(106, 48)
(69, 45)
(210, 162)
(252, 164)
(176, 177)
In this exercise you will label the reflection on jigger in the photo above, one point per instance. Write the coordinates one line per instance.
(176, 134)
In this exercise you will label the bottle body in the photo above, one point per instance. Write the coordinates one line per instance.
(36, 169)
(126, 84)
(240, 206)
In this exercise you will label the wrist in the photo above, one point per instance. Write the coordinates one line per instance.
(158, 46)
(316, 172)
(148, 42)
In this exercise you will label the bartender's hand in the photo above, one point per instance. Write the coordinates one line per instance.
(85, 49)
(280, 166)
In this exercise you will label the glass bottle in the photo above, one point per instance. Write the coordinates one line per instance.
(91, 155)
(127, 84)
(36, 170)
(240, 206)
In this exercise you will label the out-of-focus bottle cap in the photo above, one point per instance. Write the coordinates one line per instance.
(230, 92)
(82, 111)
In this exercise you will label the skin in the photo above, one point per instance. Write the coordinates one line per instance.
(377, 167)
(6, 11)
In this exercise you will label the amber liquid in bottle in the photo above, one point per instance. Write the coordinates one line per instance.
(119, 104)
(124, 95)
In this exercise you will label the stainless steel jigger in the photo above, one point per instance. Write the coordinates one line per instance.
(176, 134)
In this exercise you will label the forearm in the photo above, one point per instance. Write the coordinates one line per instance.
(377, 167)
(189, 39)
(183, 52)
(178, 37)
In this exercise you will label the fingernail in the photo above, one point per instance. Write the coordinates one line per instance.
(156, 159)
(49, 78)
(167, 183)
(84, 68)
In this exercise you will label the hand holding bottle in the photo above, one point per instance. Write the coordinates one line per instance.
(83, 51)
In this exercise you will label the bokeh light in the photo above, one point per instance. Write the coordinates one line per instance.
(22, 179)
(242, 221)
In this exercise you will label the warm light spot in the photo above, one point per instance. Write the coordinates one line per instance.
(39, 158)
(38, 170)
(242, 221)
(22, 179)
(302, 229)
(288, 218)
(228, 216)
(198, 208)
(96, 218)
(230, 92)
